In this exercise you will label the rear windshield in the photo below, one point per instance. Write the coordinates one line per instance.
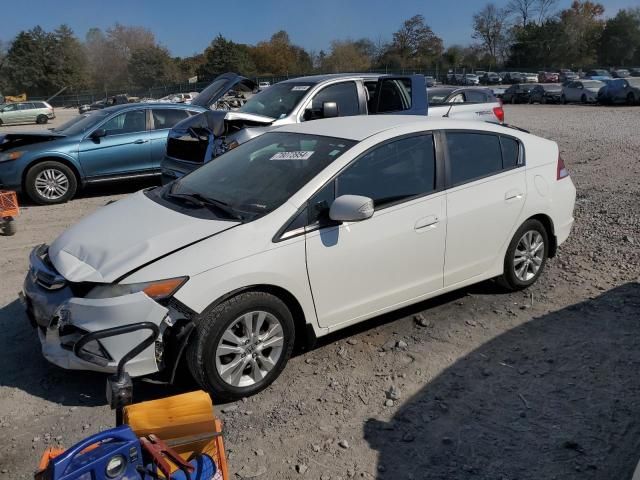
(437, 96)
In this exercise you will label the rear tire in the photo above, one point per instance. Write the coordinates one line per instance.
(222, 339)
(42, 119)
(630, 99)
(563, 100)
(526, 256)
(50, 182)
(583, 98)
(8, 227)
(513, 100)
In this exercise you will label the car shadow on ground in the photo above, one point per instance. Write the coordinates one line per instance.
(556, 398)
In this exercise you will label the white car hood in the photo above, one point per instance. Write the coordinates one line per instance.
(125, 235)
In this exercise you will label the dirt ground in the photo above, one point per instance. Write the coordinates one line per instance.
(541, 384)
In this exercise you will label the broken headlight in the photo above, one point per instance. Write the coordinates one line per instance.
(157, 290)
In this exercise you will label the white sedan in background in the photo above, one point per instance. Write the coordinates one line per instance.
(297, 233)
(584, 91)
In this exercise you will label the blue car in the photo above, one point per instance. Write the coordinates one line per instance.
(120, 142)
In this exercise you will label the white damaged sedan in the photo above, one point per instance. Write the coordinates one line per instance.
(300, 232)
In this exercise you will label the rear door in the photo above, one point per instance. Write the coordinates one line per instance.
(162, 120)
(26, 112)
(401, 95)
(486, 193)
(125, 150)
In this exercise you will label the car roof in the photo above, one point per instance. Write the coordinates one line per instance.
(359, 127)
(331, 76)
(126, 106)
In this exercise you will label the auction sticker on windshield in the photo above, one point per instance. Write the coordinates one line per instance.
(300, 88)
(297, 155)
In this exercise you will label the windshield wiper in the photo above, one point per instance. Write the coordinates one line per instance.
(207, 202)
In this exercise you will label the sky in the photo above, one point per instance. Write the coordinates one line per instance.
(188, 27)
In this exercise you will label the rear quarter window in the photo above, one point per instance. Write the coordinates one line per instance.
(510, 153)
(473, 156)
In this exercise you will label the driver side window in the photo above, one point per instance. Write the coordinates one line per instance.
(344, 94)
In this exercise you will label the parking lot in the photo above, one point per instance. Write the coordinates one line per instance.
(535, 384)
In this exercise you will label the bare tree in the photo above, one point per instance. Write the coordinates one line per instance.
(523, 10)
(490, 27)
(545, 9)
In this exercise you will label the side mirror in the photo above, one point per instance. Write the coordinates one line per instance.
(329, 110)
(351, 208)
(99, 133)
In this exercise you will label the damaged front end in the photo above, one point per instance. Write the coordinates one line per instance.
(80, 330)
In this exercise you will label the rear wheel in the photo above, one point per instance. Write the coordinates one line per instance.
(42, 119)
(50, 182)
(563, 100)
(242, 345)
(543, 100)
(513, 100)
(630, 99)
(583, 98)
(526, 256)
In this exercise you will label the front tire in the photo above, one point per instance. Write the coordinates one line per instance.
(526, 256)
(241, 345)
(563, 100)
(630, 99)
(50, 182)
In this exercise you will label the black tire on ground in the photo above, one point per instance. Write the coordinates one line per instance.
(42, 119)
(211, 326)
(563, 100)
(630, 99)
(583, 98)
(509, 279)
(8, 227)
(513, 100)
(543, 100)
(33, 173)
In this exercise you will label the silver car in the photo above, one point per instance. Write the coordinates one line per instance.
(584, 91)
(26, 112)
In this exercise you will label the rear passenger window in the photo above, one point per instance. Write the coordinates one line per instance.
(510, 152)
(475, 97)
(395, 95)
(392, 172)
(167, 117)
(473, 155)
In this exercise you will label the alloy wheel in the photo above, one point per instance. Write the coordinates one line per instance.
(249, 348)
(52, 184)
(529, 255)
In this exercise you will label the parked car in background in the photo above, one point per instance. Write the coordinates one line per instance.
(546, 93)
(597, 74)
(530, 77)
(430, 81)
(518, 93)
(263, 85)
(491, 78)
(620, 73)
(261, 248)
(458, 79)
(116, 143)
(548, 77)
(471, 79)
(105, 103)
(584, 91)
(26, 112)
(635, 72)
(620, 90)
(567, 76)
(199, 139)
(498, 91)
(479, 73)
(513, 78)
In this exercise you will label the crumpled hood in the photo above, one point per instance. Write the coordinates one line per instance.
(125, 235)
(9, 141)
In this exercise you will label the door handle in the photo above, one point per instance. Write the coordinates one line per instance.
(512, 195)
(430, 221)
(140, 141)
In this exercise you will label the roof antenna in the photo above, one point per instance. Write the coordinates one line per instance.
(446, 115)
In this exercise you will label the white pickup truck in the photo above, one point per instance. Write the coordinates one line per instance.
(202, 137)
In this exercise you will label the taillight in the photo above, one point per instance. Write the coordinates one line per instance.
(499, 113)
(562, 169)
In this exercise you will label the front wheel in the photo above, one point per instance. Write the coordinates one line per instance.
(563, 100)
(526, 256)
(241, 345)
(630, 99)
(50, 182)
(583, 98)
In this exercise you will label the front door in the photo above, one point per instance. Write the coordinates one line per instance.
(125, 150)
(163, 120)
(359, 269)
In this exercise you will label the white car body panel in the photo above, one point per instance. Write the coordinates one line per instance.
(342, 275)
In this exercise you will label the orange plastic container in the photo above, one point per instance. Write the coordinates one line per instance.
(8, 204)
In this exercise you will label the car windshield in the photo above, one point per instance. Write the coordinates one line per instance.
(277, 101)
(257, 177)
(81, 123)
(437, 96)
(592, 83)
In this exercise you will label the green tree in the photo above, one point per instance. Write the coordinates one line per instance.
(415, 44)
(69, 63)
(222, 56)
(490, 27)
(279, 56)
(151, 66)
(620, 42)
(582, 29)
(29, 62)
(348, 55)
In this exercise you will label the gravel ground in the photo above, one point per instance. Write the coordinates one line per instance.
(540, 384)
